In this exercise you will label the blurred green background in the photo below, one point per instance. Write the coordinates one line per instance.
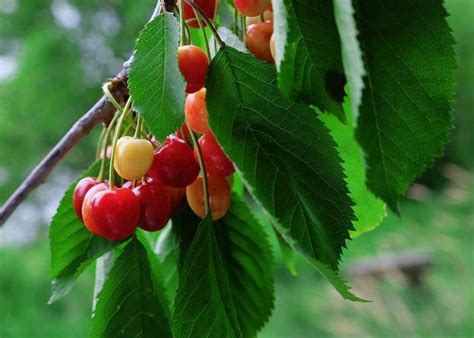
(54, 56)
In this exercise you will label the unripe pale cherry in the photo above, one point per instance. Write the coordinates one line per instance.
(80, 191)
(252, 7)
(155, 206)
(193, 64)
(208, 7)
(216, 161)
(219, 196)
(258, 40)
(174, 164)
(113, 214)
(133, 157)
(196, 112)
(267, 16)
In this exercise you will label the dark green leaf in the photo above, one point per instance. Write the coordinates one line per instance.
(129, 304)
(226, 282)
(404, 119)
(310, 68)
(73, 247)
(369, 210)
(285, 154)
(155, 82)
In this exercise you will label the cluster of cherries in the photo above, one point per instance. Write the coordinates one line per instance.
(161, 180)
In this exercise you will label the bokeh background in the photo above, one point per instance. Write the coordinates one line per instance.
(54, 56)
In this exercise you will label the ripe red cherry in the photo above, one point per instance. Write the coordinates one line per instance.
(113, 214)
(196, 113)
(87, 207)
(208, 7)
(252, 7)
(215, 160)
(258, 40)
(155, 206)
(219, 196)
(174, 164)
(193, 64)
(80, 191)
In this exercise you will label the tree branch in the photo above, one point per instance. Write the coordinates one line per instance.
(102, 111)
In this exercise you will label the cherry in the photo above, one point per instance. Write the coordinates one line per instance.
(178, 197)
(86, 207)
(252, 7)
(133, 157)
(208, 7)
(155, 206)
(267, 16)
(174, 164)
(215, 160)
(112, 214)
(183, 132)
(219, 196)
(196, 112)
(80, 191)
(258, 40)
(193, 64)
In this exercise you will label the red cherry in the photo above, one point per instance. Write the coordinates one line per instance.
(252, 7)
(208, 7)
(178, 197)
(155, 206)
(86, 207)
(215, 160)
(219, 196)
(174, 164)
(196, 113)
(258, 40)
(193, 64)
(80, 191)
(114, 213)
(183, 132)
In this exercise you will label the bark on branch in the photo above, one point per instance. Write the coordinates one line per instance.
(100, 112)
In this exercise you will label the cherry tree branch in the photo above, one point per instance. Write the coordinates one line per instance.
(102, 111)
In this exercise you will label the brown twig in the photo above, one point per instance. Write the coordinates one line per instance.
(102, 111)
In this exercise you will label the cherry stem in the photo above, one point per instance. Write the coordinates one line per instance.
(114, 143)
(203, 170)
(199, 20)
(100, 178)
(138, 127)
(207, 21)
(181, 22)
(100, 142)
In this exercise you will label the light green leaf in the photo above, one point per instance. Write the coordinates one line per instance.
(72, 246)
(129, 304)
(309, 53)
(351, 52)
(404, 119)
(283, 152)
(369, 210)
(226, 283)
(155, 82)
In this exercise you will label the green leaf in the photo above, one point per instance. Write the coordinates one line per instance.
(226, 283)
(73, 247)
(283, 152)
(129, 304)
(351, 51)
(155, 82)
(404, 119)
(369, 210)
(310, 68)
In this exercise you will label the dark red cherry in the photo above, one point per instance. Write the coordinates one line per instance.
(80, 191)
(174, 164)
(155, 206)
(208, 7)
(183, 133)
(114, 213)
(86, 207)
(215, 160)
(193, 64)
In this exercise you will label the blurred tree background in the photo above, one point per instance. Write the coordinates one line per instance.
(54, 55)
